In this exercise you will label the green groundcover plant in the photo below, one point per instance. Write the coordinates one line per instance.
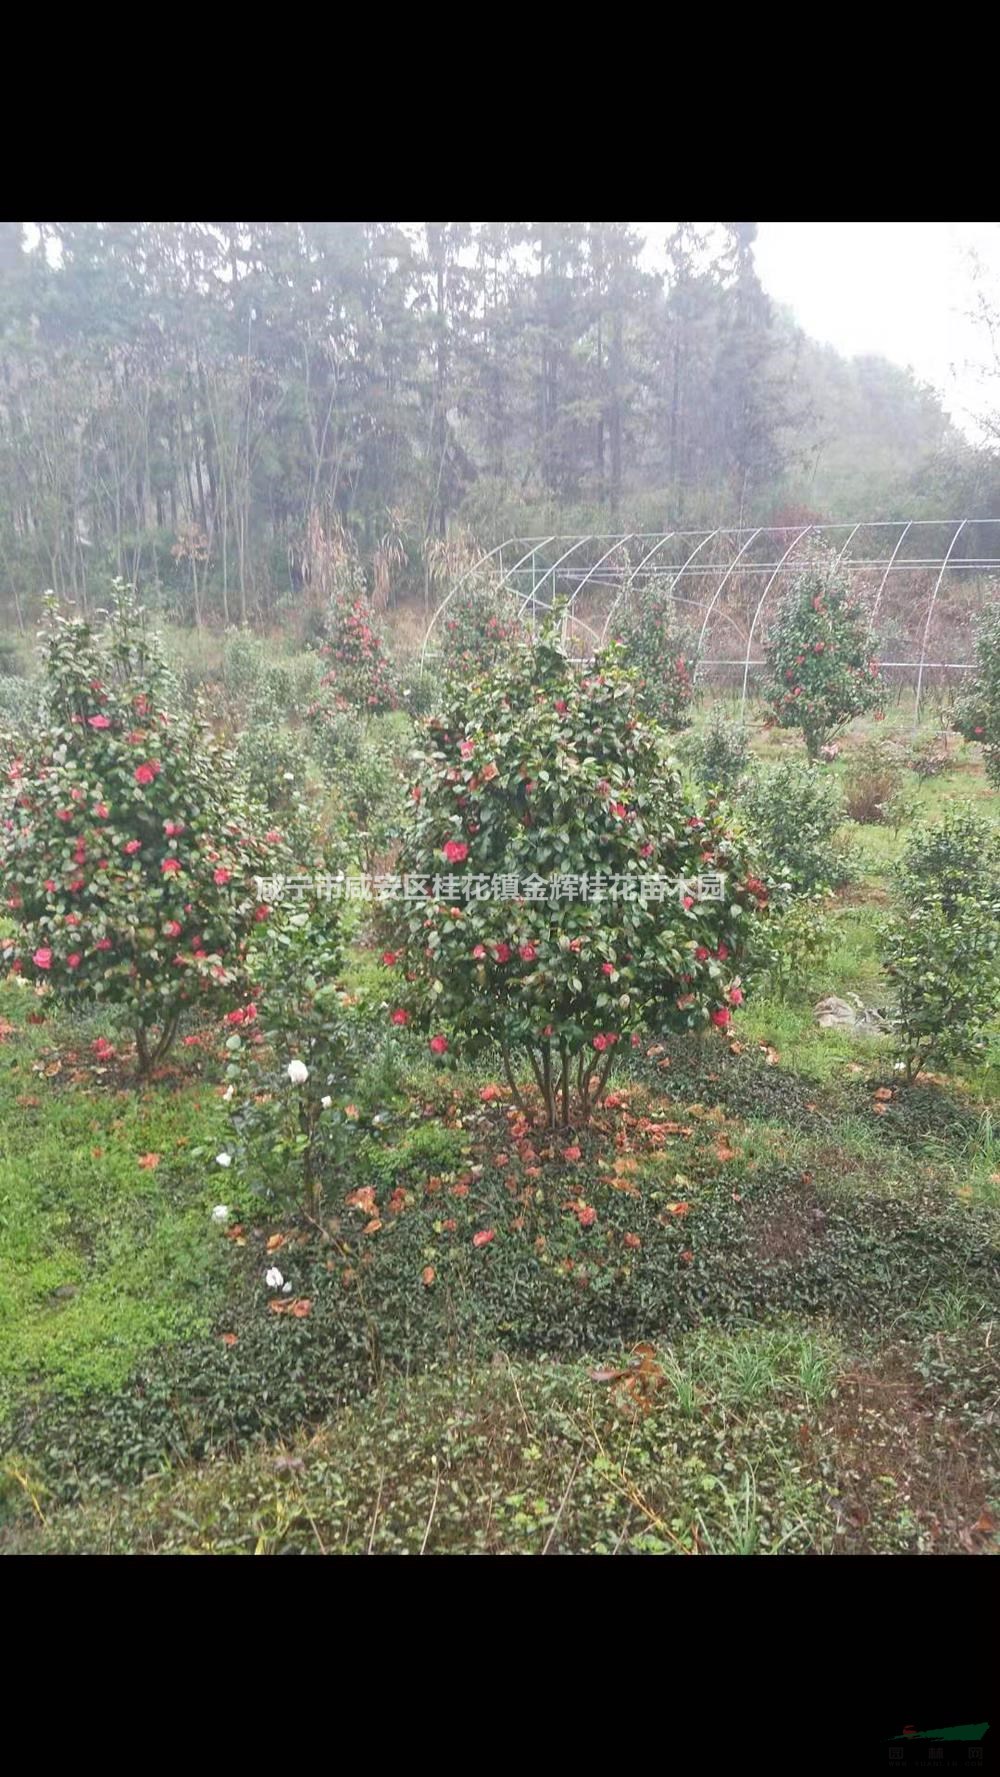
(128, 850)
(821, 665)
(544, 771)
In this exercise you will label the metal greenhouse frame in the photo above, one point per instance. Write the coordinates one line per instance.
(926, 579)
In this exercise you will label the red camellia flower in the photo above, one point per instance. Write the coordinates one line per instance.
(688, 902)
(103, 944)
(132, 846)
(479, 952)
(74, 961)
(607, 968)
(438, 1045)
(220, 877)
(571, 1154)
(400, 1017)
(466, 749)
(527, 953)
(600, 1042)
(170, 866)
(260, 914)
(722, 952)
(145, 774)
(456, 851)
(98, 722)
(503, 953)
(735, 996)
(50, 886)
(561, 706)
(101, 812)
(390, 957)
(586, 1216)
(172, 928)
(64, 814)
(721, 1017)
(173, 829)
(484, 1237)
(702, 954)
(42, 958)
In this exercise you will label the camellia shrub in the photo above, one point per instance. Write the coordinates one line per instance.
(875, 787)
(359, 674)
(539, 785)
(273, 763)
(292, 1056)
(127, 849)
(482, 618)
(793, 811)
(719, 754)
(359, 762)
(977, 708)
(652, 644)
(942, 951)
(821, 666)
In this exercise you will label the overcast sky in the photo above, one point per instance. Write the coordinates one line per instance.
(900, 289)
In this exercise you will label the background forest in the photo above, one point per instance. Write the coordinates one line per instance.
(184, 404)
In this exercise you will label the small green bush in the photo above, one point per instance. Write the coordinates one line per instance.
(720, 753)
(875, 789)
(977, 708)
(648, 639)
(942, 951)
(793, 811)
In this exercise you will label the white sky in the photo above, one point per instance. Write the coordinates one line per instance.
(900, 289)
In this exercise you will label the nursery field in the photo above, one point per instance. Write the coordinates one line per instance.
(747, 1304)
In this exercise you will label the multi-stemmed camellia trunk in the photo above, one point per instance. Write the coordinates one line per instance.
(561, 890)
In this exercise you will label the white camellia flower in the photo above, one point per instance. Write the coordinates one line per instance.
(221, 1212)
(223, 1159)
(227, 1095)
(298, 1073)
(289, 777)
(326, 1103)
(286, 1289)
(273, 1278)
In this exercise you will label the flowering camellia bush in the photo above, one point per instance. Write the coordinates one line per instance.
(820, 650)
(977, 708)
(539, 769)
(942, 951)
(359, 674)
(128, 853)
(480, 619)
(651, 642)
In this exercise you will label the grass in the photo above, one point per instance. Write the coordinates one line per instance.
(101, 1258)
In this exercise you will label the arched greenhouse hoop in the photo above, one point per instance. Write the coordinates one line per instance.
(926, 580)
